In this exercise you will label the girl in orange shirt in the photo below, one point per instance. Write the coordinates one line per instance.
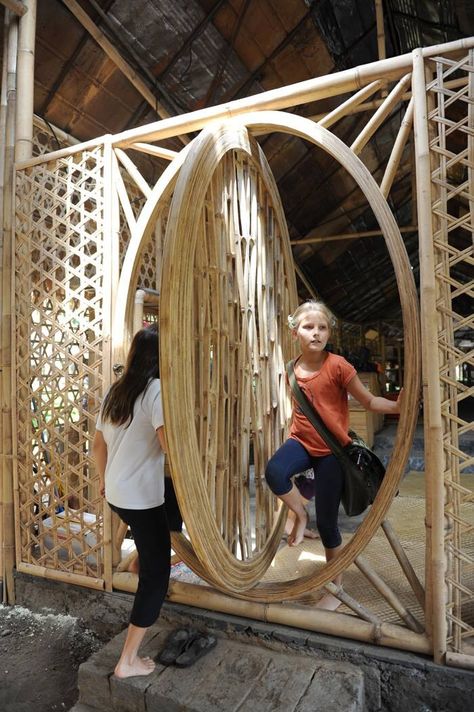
(326, 380)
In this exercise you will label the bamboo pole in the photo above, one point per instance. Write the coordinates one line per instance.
(133, 172)
(348, 106)
(281, 98)
(3, 126)
(25, 83)
(397, 151)
(375, 103)
(6, 326)
(460, 660)
(381, 114)
(327, 622)
(379, 584)
(16, 6)
(138, 310)
(61, 576)
(157, 151)
(380, 29)
(110, 261)
(117, 59)
(352, 603)
(433, 432)
(349, 236)
(404, 562)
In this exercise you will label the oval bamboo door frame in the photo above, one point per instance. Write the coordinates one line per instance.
(287, 123)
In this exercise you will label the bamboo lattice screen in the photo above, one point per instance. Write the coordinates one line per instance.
(451, 125)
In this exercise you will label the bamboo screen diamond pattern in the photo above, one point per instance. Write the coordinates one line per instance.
(452, 152)
(59, 344)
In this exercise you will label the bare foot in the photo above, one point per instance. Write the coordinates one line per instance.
(140, 666)
(308, 533)
(134, 566)
(296, 535)
(328, 602)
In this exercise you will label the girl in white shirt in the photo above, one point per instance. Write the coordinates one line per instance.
(128, 448)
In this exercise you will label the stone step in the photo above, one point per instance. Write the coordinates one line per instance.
(232, 676)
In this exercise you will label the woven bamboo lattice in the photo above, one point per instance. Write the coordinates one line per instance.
(59, 286)
(452, 153)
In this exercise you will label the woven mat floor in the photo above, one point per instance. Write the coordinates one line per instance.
(406, 516)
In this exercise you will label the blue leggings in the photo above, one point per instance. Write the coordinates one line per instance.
(152, 540)
(292, 458)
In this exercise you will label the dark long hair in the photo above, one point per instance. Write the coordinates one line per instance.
(142, 365)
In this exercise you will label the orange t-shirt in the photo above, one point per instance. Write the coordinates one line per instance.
(326, 390)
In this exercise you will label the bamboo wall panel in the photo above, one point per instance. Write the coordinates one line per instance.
(59, 285)
(452, 180)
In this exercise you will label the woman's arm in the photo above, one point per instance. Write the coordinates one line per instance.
(160, 433)
(99, 451)
(376, 404)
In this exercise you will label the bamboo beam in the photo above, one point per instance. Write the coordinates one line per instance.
(284, 97)
(16, 6)
(460, 660)
(327, 622)
(25, 83)
(349, 106)
(381, 114)
(116, 58)
(397, 151)
(8, 542)
(433, 431)
(348, 236)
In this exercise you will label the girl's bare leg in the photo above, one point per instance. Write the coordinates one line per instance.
(329, 602)
(130, 664)
(293, 501)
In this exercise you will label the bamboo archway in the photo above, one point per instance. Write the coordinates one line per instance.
(208, 553)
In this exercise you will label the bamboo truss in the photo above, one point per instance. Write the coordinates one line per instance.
(210, 237)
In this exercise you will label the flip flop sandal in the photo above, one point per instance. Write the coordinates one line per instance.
(175, 644)
(196, 649)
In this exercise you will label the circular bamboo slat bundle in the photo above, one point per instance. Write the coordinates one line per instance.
(227, 290)
(202, 372)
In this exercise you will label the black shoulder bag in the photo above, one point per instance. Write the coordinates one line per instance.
(363, 471)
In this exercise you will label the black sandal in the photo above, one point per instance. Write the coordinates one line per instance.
(196, 649)
(175, 644)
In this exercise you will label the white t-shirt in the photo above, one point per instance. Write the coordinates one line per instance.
(134, 475)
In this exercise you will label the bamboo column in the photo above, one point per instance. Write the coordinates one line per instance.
(3, 121)
(25, 83)
(6, 328)
(433, 433)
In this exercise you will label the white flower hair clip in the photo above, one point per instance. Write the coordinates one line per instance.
(291, 322)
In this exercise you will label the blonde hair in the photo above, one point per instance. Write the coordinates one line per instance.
(312, 305)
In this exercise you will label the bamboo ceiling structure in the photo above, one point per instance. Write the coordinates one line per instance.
(210, 237)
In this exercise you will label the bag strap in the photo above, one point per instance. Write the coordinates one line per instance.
(312, 414)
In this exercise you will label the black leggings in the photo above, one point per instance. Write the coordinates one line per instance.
(292, 458)
(150, 531)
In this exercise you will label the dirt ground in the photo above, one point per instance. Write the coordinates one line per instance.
(39, 658)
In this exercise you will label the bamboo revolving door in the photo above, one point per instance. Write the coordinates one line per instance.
(224, 343)
(197, 357)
